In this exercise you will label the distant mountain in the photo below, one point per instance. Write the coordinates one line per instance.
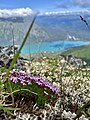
(12, 19)
(59, 26)
(49, 27)
(16, 28)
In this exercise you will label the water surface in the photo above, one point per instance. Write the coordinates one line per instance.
(51, 46)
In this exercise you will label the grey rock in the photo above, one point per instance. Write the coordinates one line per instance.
(2, 63)
(6, 56)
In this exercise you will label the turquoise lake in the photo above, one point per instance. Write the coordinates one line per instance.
(51, 46)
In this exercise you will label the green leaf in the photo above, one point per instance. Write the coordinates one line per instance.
(88, 111)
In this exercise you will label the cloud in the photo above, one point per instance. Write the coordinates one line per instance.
(19, 12)
(67, 12)
(56, 13)
(64, 4)
(73, 3)
(82, 3)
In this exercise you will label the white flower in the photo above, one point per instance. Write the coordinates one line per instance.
(65, 114)
(73, 115)
(62, 61)
(83, 118)
(54, 84)
(68, 115)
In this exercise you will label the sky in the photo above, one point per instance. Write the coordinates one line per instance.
(43, 6)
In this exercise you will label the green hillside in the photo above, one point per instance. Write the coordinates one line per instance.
(82, 52)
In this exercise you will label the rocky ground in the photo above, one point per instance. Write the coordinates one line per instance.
(6, 56)
(69, 74)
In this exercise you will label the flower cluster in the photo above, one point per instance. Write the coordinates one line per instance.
(27, 79)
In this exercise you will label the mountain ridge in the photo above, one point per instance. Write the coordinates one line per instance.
(46, 28)
(16, 27)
